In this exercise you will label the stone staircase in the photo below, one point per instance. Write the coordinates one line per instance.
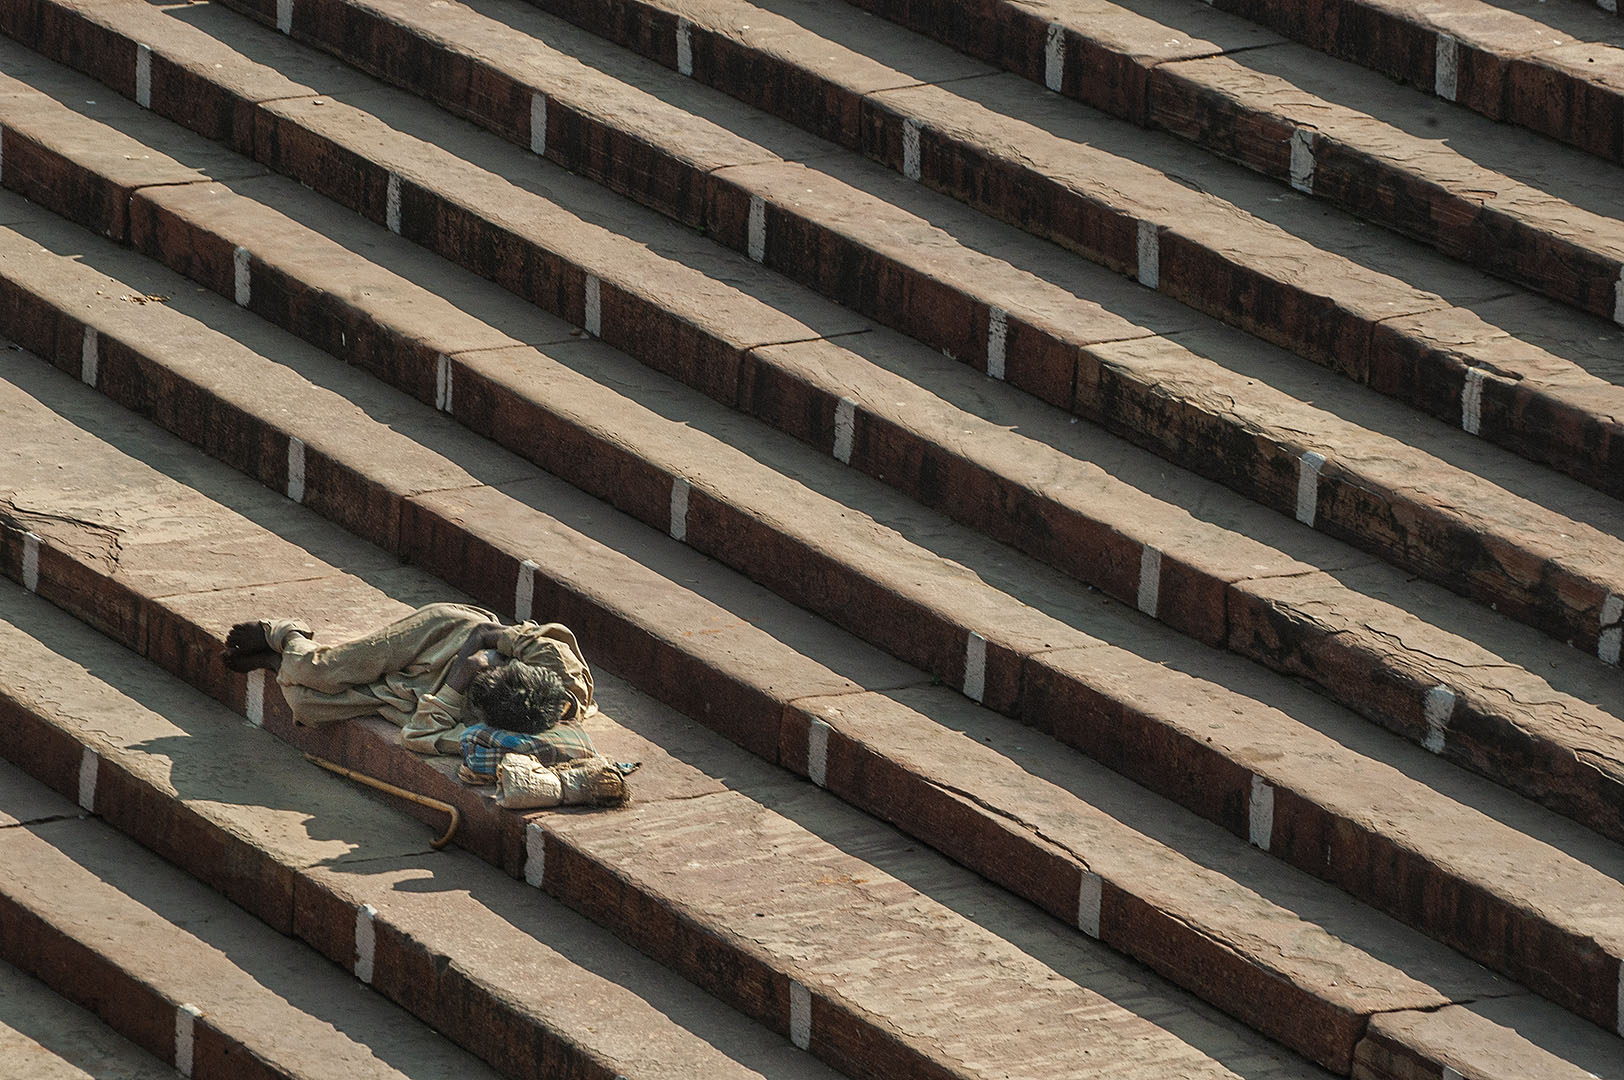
(1039, 668)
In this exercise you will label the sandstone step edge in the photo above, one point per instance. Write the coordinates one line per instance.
(1605, 639)
(1109, 383)
(201, 648)
(1444, 378)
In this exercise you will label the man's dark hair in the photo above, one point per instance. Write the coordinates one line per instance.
(518, 697)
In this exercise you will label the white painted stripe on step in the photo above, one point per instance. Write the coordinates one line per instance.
(89, 356)
(1446, 75)
(975, 667)
(1302, 160)
(239, 270)
(845, 429)
(800, 1015)
(535, 855)
(1308, 470)
(997, 338)
(1150, 272)
(1089, 896)
(185, 1036)
(1150, 580)
(1450, 1073)
(592, 304)
(87, 780)
(1438, 707)
(758, 228)
(1054, 58)
(524, 591)
(442, 383)
(391, 205)
(284, 16)
(31, 561)
(1612, 634)
(817, 752)
(538, 124)
(143, 76)
(685, 47)
(296, 469)
(366, 941)
(679, 508)
(910, 148)
(1261, 820)
(1471, 401)
(253, 698)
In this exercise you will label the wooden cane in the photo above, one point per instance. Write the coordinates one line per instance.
(381, 785)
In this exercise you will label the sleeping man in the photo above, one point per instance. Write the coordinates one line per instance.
(452, 677)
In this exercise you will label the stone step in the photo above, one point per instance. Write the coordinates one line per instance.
(1343, 135)
(849, 726)
(878, 957)
(1547, 67)
(1431, 677)
(1539, 551)
(43, 1036)
(180, 972)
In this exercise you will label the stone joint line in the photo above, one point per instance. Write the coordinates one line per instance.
(88, 765)
(1446, 67)
(185, 1035)
(253, 705)
(1610, 639)
(1090, 896)
(538, 124)
(1054, 57)
(679, 507)
(685, 47)
(442, 383)
(366, 941)
(1302, 160)
(910, 148)
(1260, 815)
(31, 542)
(1149, 272)
(975, 667)
(1471, 401)
(524, 590)
(535, 854)
(1308, 471)
(296, 469)
(845, 429)
(997, 341)
(90, 357)
(757, 239)
(391, 210)
(143, 76)
(592, 307)
(800, 1015)
(1438, 707)
(239, 270)
(1150, 580)
(817, 752)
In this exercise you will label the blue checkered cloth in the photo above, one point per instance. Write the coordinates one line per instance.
(483, 747)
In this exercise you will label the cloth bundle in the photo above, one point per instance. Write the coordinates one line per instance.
(523, 783)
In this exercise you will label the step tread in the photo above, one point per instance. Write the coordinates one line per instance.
(490, 507)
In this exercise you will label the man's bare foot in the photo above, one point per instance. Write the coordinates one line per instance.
(248, 637)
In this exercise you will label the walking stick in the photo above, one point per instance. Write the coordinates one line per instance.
(381, 785)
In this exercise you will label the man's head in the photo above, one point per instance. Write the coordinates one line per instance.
(519, 697)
